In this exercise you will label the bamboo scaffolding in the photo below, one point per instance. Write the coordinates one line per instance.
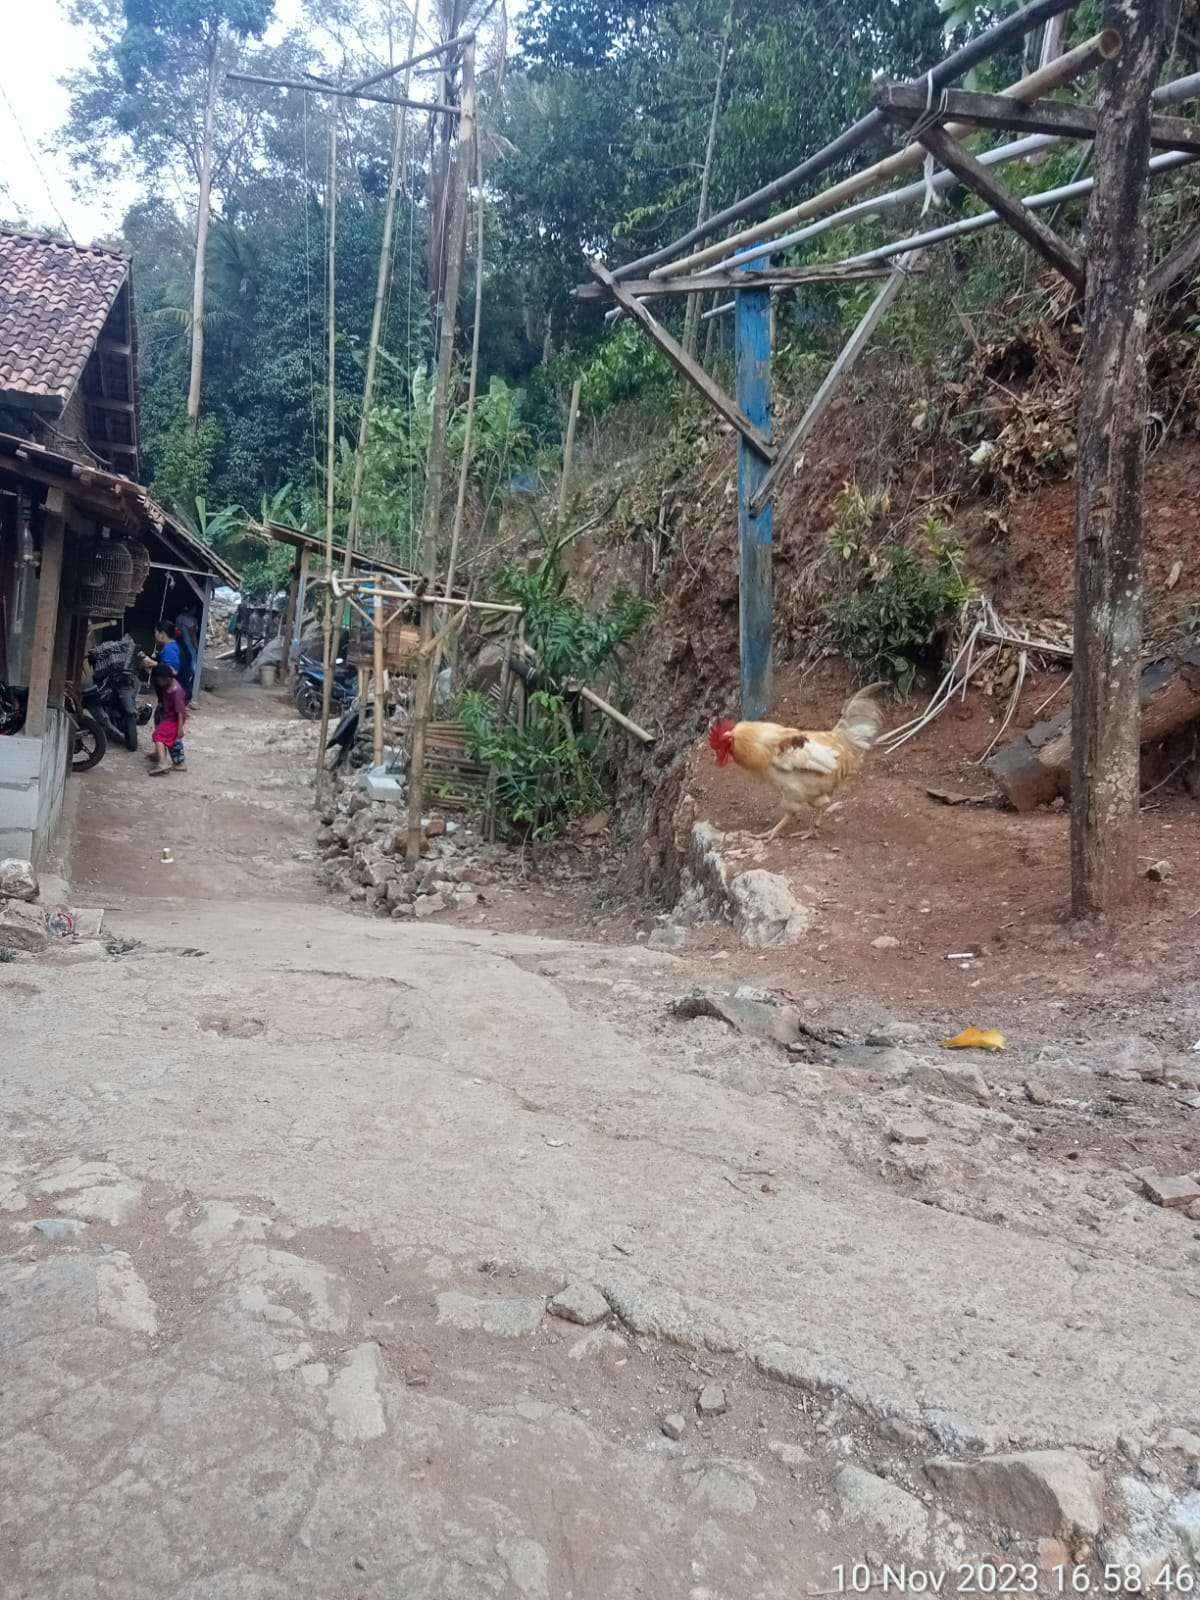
(939, 77)
(1104, 46)
(327, 650)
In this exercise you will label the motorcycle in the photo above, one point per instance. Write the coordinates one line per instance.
(310, 679)
(89, 741)
(116, 668)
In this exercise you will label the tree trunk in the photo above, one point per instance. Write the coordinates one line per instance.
(1108, 517)
(202, 210)
(691, 330)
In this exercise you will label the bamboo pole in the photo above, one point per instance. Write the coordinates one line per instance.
(327, 651)
(437, 450)
(203, 209)
(568, 451)
(460, 504)
(954, 65)
(1103, 46)
(395, 177)
(691, 321)
(377, 683)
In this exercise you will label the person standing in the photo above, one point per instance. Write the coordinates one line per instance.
(169, 721)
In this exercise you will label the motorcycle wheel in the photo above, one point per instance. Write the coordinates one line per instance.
(129, 729)
(90, 743)
(308, 699)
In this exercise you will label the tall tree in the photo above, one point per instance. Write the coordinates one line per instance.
(152, 85)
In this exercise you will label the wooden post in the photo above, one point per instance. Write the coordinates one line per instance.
(330, 621)
(289, 615)
(301, 600)
(377, 678)
(201, 637)
(45, 624)
(568, 451)
(1112, 452)
(432, 511)
(752, 334)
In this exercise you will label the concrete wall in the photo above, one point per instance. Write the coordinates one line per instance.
(33, 780)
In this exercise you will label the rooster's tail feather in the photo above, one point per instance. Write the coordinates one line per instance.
(861, 721)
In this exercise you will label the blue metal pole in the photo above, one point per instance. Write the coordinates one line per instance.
(752, 344)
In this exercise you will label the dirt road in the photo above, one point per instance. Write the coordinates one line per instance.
(284, 1193)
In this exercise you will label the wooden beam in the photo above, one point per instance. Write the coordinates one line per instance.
(45, 626)
(1176, 264)
(756, 599)
(684, 365)
(820, 402)
(343, 94)
(775, 278)
(103, 403)
(1058, 117)
(1106, 693)
(114, 347)
(1044, 240)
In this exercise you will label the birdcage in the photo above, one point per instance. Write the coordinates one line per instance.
(140, 557)
(103, 578)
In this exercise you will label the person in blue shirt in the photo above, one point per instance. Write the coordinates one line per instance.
(166, 649)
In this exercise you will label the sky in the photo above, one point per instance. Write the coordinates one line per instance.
(40, 45)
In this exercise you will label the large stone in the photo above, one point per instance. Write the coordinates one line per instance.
(1033, 1492)
(891, 1511)
(759, 1018)
(428, 905)
(510, 1317)
(765, 911)
(22, 926)
(18, 880)
(953, 1081)
(579, 1302)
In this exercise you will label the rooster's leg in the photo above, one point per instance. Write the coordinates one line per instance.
(788, 816)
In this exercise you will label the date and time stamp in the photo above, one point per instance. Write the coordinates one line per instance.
(1013, 1578)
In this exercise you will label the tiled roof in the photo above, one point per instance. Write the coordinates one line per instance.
(54, 299)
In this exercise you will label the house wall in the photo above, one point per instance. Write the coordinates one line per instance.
(33, 781)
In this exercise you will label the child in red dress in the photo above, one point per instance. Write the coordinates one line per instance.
(169, 723)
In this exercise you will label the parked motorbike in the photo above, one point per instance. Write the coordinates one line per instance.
(116, 668)
(89, 739)
(310, 679)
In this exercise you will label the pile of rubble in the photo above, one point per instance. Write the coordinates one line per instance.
(33, 920)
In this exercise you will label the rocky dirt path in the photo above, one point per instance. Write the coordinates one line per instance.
(286, 1196)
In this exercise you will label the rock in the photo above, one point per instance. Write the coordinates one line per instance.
(1052, 1553)
(397, 892)
(510, 1318)
(1037, 1093)
(579, 1302)
(402, 913)
(892, 1511)
(1185, 1442)
(56, 1229)
(1160, 871)
(765, 911)
(380, 873)
(885, 941)
(952, 1080)
(908, 1131)
(434, 828)
(668, 937)
(712, 1401)
(760, 1019)
(792, 1455)
(726, 1486)
(464, 899)
(1034, 1492)
(428, 905)
(1173, 1192)
(894, 1032)
(22, 926)
(1130, 1059)
(674, 1425)
(18, 880)
(1193, 1211)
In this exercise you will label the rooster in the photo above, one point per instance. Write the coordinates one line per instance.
(807, 768)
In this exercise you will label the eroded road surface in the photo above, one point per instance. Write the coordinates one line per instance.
(286, 1195)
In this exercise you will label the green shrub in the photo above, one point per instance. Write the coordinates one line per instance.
(887, 627)
(544, 775)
